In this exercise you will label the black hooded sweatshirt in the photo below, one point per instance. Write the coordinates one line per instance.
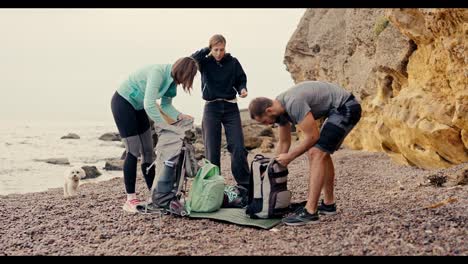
(220, 80)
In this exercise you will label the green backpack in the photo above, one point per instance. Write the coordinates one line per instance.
(207, 191)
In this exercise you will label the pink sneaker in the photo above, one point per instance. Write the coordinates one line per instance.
(131, 206)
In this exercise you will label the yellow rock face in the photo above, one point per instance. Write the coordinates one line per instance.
(411, 78)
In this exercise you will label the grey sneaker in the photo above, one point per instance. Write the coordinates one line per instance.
(149, 208)
(301, 217)
(325, 209)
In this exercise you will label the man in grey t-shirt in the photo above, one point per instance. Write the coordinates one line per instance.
(301, 105)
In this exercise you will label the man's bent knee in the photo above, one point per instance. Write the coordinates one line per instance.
(316, 154)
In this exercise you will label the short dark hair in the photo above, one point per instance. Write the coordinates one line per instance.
(258, 106)
(184, 71)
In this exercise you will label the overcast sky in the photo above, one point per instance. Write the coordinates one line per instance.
(61, 64)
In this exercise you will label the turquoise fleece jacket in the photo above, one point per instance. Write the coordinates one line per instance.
(145, 86)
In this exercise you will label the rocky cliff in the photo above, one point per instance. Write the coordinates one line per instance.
(408, 67)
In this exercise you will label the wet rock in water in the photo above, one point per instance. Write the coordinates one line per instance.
(114, 164)
(71, 136)
(91, 172)
(110, 137)
(55, 161)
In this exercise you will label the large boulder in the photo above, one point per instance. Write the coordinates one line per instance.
(252, 142)
(255, 134)
(408, 69)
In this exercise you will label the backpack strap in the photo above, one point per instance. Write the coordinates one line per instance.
(182, 174)
(283, 172)
(257, 179)
(258, 156)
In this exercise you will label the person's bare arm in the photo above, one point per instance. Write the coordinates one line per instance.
(311, 135)
(284, 142)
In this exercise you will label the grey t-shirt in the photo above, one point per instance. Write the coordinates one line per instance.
(310, 96)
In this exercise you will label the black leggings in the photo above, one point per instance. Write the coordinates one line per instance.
(134, 129)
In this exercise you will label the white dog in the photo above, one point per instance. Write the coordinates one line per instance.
(72, 180)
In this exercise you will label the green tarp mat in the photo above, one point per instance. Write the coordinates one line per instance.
(237, 216)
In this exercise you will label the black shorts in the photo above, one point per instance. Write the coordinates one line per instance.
(338, 125)
(130, 122)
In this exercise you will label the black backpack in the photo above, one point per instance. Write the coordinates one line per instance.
(269, 196)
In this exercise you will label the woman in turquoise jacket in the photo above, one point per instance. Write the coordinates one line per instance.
(135, 101)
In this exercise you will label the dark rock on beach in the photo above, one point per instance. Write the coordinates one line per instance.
(91, 172)
(110, 137)
(55, 161)
(70, 136)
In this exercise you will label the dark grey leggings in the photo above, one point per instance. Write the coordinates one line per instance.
(227, 114)
(134, 129)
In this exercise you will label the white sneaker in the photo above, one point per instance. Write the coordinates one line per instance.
(131, 206)
(147, 201)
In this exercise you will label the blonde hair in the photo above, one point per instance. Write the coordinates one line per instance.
(216, 39)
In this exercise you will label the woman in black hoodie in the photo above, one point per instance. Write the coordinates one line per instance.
(223, 79)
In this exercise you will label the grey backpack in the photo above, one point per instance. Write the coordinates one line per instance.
(269, 196)
(175, 162)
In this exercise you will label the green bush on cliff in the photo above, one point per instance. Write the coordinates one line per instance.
(380, 25)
